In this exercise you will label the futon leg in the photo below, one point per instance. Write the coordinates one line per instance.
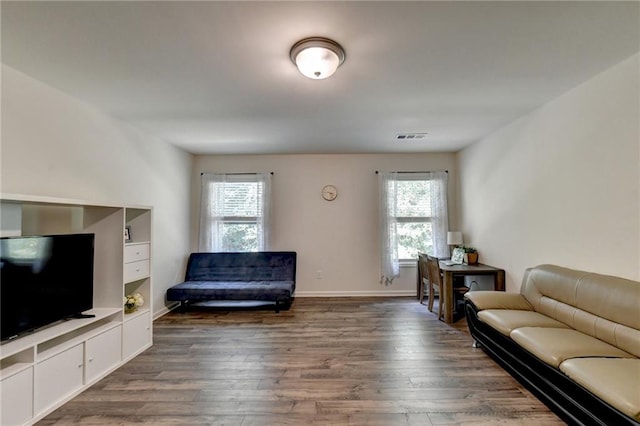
(476, 344)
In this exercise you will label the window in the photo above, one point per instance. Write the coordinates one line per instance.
(414, 218)
(234, 212)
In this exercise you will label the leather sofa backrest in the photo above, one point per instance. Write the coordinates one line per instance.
(601, 306)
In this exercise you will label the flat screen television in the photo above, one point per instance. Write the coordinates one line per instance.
(44, 279)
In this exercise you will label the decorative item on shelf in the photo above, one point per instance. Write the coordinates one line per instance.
(132, 302)
(470, 255)
(127, 234)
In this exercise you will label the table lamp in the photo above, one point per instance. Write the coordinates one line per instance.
(454, 238)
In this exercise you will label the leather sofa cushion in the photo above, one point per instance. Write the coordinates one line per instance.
(555, 345)
(505, 320)
(498, 300)
(614, 380)
(601, 306)
(621, 336)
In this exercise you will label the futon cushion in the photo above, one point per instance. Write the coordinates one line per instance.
(554, 345)
(505, 320)
(232, 290)
(615, 380)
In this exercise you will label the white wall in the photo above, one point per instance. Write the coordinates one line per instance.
(560, 185)
(339, 238)
(54, 145)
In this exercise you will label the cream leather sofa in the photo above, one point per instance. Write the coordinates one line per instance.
(571, 337)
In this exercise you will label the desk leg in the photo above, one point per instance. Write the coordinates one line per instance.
(499, 283)
(448, 297)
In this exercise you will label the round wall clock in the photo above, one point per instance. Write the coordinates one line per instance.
(329, 192)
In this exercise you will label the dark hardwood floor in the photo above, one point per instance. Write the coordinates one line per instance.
(347, 361)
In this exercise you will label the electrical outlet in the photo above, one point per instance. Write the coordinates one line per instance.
(319, 274)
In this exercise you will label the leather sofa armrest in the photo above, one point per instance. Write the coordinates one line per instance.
(498, 300)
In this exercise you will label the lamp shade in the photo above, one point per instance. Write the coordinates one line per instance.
(317, 57)
(454, 238)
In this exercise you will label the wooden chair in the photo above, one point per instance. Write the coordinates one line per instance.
(436, 281)
(423, 276)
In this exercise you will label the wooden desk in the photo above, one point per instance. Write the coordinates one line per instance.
(479, 269)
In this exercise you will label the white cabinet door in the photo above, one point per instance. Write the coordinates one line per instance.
(16, 397)
(102, 352)
(137, 334)
(58, 376)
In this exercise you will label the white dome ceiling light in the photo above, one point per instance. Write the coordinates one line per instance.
(317, 57)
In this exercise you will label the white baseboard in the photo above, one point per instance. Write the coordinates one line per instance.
(368, 293)
(165, 310)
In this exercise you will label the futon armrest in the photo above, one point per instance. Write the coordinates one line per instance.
(498, 300)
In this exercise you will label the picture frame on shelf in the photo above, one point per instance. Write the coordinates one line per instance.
(127, 234)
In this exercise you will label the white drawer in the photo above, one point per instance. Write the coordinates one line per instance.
(136, 252)
(136, 270)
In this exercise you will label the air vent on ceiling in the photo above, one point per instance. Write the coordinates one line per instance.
(410, 136)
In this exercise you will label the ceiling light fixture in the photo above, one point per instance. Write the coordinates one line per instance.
(317, 57)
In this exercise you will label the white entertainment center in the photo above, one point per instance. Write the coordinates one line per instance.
(41, 371)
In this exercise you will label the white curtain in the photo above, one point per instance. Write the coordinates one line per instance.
(389, 264)
(439, 212)
(209, 240)
(265, 219)
(212, 209)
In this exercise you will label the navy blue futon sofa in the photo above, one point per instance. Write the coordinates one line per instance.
(267, 276)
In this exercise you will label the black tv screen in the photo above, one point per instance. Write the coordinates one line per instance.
(44, 279)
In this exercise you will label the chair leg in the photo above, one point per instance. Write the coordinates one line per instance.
(421, 292)
(431, 293)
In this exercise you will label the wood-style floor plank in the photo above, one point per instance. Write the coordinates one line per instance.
(346, 361)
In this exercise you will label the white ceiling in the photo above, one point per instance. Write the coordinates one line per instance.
(215, 77)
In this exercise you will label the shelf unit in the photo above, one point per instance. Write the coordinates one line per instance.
(137, 279)
(41, 371)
